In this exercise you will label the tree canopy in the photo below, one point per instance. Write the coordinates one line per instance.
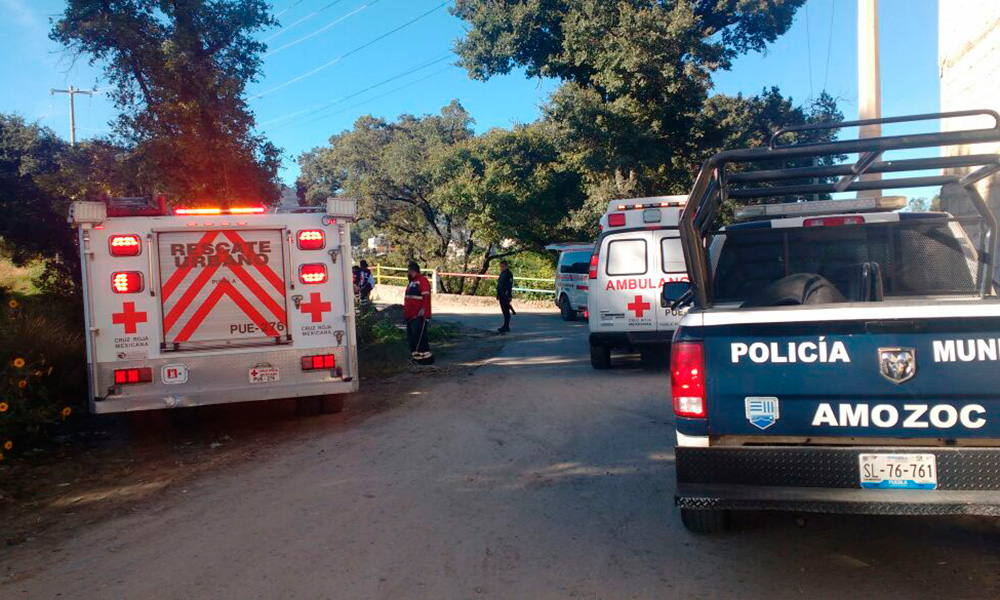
(634, 112)
(178, 71)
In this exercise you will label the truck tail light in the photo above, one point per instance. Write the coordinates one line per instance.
(127, 376)
(592, 274)
(125, 245)
(311, 239)
(616, 219)
(833, 221)
(126, 282)
(312, 273)
(687, 379)
(318, 362)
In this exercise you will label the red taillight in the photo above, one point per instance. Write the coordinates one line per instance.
(318, 361)
(311, 239)
(616, 219)
(126, 282)
(125, 245)
(833, 221)
(592, 274)
(127, 376)
(312, 273)
(687, 379)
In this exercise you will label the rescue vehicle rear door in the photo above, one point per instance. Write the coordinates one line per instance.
(629, 278)
(222, 287)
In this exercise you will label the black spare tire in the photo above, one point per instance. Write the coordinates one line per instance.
(795, 290)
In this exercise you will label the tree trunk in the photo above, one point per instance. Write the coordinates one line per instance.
(484, 266)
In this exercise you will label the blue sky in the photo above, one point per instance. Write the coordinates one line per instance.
(318, 73)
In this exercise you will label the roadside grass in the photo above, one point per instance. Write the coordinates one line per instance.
(382, 347)
(20, 280)
(42, 369)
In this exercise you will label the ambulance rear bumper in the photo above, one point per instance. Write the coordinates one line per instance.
(636, 338)
(223, 378)
(827, 480)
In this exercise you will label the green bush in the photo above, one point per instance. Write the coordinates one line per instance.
(43, 371)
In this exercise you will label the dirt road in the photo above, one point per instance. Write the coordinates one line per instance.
(530, 477)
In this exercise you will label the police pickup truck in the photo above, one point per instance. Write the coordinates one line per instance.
(838, 356)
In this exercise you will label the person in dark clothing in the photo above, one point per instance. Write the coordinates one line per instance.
(366, 283)
(417, 314)
(505, 293)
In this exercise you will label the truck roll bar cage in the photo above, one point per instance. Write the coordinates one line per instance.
(715, 185)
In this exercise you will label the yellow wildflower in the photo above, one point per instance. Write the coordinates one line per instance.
(66, 411)
(4, 406)
(18, 362)
(12, 303)
(22, 384)
(8, 445)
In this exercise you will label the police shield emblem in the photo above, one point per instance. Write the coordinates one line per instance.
(897, 364)
(762, 412)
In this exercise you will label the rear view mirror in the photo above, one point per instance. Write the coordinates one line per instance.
(674, 291)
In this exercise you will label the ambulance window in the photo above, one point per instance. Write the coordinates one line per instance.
(672, 255)
(627, 257)
(575, 263)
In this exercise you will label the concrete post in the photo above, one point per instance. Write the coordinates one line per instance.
(869, 80)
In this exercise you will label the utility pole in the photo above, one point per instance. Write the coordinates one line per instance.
(869, 79)
(72, 92)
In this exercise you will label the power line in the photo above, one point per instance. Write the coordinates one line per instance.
(382, 95)
(350, 52)
(829, 44)
(298, 2)
(302, 20)
(321, 30)
(311, 111)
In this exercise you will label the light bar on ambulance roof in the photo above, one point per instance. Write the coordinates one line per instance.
(819, 207)
(205, 211)
(639, 205)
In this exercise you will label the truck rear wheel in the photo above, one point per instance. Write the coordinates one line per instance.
(600, 356)
(309, 406)
(566, 309)
(333, 403)
(706, 521)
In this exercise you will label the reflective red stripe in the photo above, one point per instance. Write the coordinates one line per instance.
(181, 273)
(265, 270)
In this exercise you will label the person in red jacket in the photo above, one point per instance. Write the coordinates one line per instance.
(417, 314)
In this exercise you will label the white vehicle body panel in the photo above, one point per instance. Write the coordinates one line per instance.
(633, 265)
(572, 281)
(231, 330)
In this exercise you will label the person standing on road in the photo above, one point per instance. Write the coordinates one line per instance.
(505, 293)
(417, 314)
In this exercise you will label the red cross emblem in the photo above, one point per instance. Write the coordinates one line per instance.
(316, 307)
(639, 306)
(128, 317)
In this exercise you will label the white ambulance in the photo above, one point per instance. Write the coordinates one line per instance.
(216, 305)
(638, 250)
(572, 283)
